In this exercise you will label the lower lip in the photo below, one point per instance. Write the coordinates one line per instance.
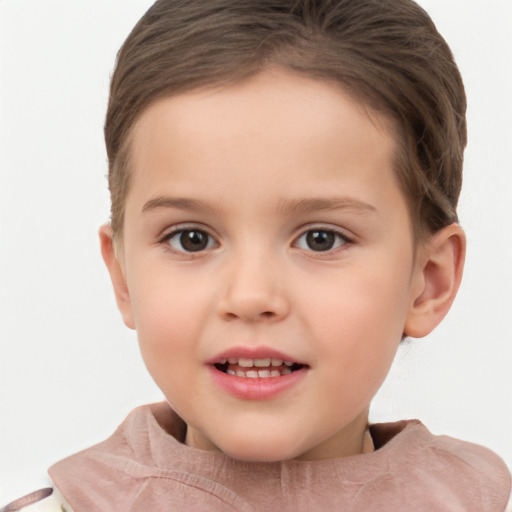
(259, 388)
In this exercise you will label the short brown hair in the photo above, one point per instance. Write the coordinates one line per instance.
(388, 54)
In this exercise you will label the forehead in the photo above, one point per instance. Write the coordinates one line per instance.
(279, 128)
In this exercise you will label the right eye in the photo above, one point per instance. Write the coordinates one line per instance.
(190, 240)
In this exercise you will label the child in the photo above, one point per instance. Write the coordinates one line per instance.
(284, 178)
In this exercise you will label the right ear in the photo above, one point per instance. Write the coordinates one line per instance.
(117, 274)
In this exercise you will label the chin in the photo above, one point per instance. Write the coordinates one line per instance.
(253, 451)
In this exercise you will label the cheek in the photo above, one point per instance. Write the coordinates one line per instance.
(168, 320)
(361, 323)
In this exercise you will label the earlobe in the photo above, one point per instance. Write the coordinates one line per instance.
(117, 274)
(438, 276)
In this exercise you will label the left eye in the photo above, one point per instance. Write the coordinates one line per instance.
(320, 240)
(190, 240)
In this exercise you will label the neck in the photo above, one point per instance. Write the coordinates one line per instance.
(353, 439)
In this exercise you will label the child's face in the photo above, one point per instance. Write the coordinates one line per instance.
(264, 221)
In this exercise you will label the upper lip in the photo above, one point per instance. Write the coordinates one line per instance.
(244, 352)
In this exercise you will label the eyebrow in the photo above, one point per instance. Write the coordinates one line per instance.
(285, 206)
(177, 203)
(324, 204)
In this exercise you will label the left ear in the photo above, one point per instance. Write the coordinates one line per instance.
(438, 273)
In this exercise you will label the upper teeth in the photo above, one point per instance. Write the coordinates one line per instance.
(260, 363)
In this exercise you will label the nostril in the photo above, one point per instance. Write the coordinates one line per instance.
(250, 315)
(251, 305)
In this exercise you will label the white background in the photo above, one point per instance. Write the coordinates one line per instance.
(70, 370)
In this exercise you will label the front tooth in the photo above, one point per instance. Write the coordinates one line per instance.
(252, 374)
(277, 362)
(262, 363)
(246, 363)
(264, 373)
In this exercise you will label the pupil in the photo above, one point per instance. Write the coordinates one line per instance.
(193, 241)
(320, 240)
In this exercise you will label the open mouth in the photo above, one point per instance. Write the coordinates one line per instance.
(257, 368)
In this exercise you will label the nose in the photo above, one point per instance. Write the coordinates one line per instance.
(253, 291)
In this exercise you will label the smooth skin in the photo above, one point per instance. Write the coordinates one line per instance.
(267, 214)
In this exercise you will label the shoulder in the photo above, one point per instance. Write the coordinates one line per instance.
(43, 500)
(451, 469)
(119, 460)
(117, 470)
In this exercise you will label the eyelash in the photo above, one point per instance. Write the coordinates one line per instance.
(338, 238)
(168, 237)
